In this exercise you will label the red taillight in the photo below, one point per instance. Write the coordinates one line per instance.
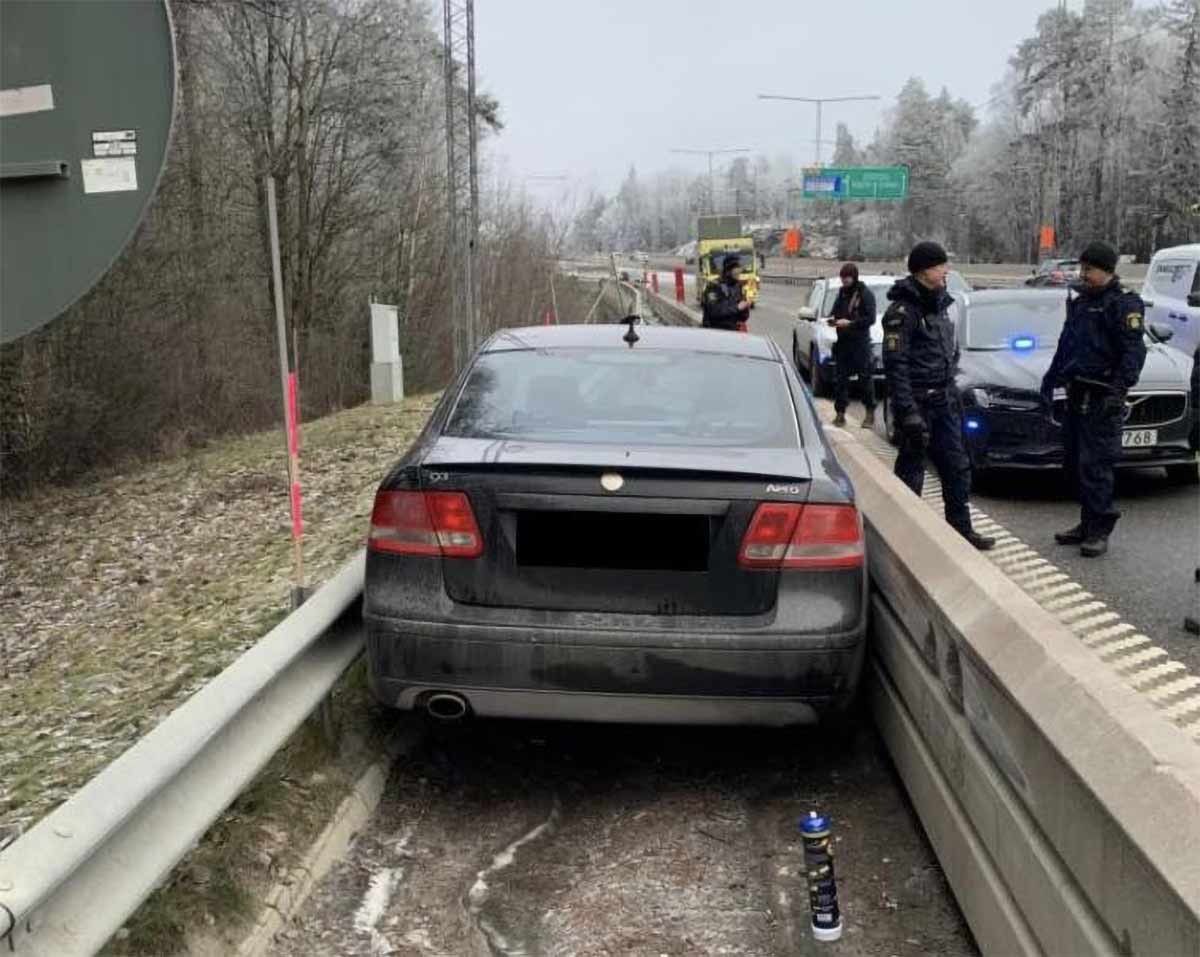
(425, 523)
(813, 537)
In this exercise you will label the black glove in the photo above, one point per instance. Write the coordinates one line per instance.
(915, 430)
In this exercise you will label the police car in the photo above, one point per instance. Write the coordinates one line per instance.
(1008, 338)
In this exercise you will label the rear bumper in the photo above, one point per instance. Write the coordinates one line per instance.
(539, 672)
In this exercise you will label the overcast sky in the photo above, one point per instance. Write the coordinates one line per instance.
(586, 89)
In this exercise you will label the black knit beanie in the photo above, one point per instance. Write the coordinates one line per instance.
(1100, 255)
(926, 255)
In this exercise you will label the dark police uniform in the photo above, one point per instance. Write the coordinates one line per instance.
(852, 352)
(719, 304)
(920, 358)
(1099, 358)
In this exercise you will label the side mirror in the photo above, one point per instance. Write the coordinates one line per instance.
(806, 312)
(1161, 331)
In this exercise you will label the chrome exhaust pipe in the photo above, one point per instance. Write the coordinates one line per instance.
(447, 706)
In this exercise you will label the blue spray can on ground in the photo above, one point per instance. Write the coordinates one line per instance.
(822, 885)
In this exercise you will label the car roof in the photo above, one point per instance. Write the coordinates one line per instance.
(611, 336)
(876, 279)
(1189, 251)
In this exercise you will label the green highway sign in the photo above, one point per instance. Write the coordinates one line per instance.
(856, 182)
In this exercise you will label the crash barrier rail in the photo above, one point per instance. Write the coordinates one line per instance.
(68, 884)
(1064, 809)
(625, 296)
(786, 280)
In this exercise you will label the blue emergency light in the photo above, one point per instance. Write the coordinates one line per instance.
(973, 424)
(1023, 343)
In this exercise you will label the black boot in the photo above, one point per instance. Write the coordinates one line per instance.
(868, 421)
(839, 419)
(1072, 536)
(982, 542)
(1094, 546)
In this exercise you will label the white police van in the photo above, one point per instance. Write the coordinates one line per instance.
(1171, 292)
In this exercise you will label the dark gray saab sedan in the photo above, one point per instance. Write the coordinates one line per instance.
(627, 525)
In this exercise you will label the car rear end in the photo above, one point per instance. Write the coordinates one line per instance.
(686, 580)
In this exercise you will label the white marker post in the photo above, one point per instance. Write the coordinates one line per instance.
(287, 383)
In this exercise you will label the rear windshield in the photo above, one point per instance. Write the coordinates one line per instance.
(1016, 325)
(627, 397)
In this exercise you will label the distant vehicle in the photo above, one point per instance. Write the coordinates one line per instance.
(1054, 272)
(813, 337)
(721, 238)
(1008, 337)
(1172, 294)
(588, 530)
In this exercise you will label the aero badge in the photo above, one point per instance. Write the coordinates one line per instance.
(611, 482)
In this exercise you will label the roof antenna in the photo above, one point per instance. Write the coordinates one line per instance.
(631, 336)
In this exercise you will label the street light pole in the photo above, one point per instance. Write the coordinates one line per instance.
(710, 154)
(819, 101)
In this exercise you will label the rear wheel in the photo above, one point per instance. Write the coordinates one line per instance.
(816, 377)
(1184, 474)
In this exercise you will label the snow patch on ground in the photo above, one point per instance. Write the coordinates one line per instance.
(478, 894)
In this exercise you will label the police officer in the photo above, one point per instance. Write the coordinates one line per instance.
(920, 357)
(1099, 359)
(724, 302)
(853, 316)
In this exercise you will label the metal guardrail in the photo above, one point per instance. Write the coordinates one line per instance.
(69, 883)
(780, 279)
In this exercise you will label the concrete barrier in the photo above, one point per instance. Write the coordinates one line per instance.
(672, 313)
(1064, 808)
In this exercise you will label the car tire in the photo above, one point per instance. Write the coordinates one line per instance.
(816, 378)
(1183, 474)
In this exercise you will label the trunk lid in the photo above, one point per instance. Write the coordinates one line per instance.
(664, 539)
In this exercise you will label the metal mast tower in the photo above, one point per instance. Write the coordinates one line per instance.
(462, 176)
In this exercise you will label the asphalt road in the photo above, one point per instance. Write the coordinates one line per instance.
(1148, 576)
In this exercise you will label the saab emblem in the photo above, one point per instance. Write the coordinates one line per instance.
(611, 482)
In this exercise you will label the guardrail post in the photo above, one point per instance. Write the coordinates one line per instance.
(654, 282)
(678, 284)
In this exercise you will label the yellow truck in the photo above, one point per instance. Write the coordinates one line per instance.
(718, 238)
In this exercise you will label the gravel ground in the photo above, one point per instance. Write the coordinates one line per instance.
(123, 594)
(518, 838)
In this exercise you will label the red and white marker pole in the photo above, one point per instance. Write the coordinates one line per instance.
(678, 284)
(287, 382)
